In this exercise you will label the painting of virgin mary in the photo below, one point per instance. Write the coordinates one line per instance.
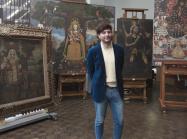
(74, 43)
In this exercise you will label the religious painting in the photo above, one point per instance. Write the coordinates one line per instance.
(170, 30)
(23, 67)
(73, 31)
(135, 35)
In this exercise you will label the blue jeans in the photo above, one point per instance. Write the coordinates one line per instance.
(115, 102)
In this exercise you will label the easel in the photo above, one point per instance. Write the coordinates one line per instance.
(135, 83)
(134, 10)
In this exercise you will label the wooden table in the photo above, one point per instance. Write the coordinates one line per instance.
(177, 68)
(72, 79)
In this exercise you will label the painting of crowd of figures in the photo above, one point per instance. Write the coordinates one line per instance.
(135, 35)
(170, 30)
(73, 30)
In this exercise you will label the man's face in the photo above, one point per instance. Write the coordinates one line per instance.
(106, 36)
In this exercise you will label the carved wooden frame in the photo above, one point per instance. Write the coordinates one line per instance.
(43, 35)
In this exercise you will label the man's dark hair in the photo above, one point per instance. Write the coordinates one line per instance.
(103, 26)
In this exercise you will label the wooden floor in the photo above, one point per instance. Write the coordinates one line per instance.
(76, 121)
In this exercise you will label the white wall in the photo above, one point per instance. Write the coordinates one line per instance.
(119, 4)
(97, 2)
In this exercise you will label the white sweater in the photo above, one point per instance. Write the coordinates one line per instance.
(109, 60)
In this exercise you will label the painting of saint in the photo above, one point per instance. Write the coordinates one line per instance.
(13, 67)
(135, 36)
(178, 52)
(74, 43)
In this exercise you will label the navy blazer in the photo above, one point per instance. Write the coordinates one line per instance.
(96, 70)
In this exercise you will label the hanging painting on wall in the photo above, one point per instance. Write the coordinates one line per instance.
(135, 35)
(73, 31)
(170, 30)
(24, 77)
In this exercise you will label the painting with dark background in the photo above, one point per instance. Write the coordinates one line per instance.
(21, 69)
(170, 30)
(135, 35)
(73, 30)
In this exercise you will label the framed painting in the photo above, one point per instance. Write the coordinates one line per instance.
(24, 74)
(135, 35)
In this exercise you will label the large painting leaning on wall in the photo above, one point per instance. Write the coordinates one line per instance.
(73, 31)
(135, 35)
(21, 72)
(24, 77)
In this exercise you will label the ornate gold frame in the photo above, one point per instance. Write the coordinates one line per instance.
(43, 35)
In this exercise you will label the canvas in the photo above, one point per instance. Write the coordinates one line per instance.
(170, 30)
(135, 35)
(24, 76)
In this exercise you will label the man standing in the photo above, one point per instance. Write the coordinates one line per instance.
(104, 67)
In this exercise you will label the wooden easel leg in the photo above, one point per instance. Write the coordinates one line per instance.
(145, 95)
